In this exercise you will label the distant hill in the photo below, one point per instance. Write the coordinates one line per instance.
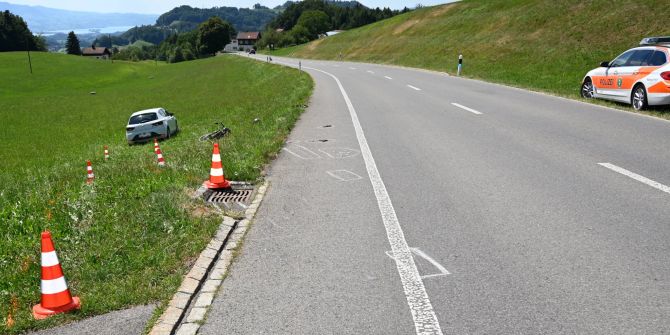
(42, 19)
(185, 18)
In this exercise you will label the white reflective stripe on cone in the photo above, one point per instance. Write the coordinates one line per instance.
(160, 156)
(89, 169)
(216, 172)
(216, 158)
(54, 286)
(49, 258)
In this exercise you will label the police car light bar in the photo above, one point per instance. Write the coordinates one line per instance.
(665, 40)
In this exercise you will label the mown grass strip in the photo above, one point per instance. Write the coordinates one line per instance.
(129, 238)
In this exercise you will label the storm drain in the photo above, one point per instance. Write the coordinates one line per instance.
(243, 196)
(236, 198)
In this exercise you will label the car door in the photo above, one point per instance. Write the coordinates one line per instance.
(606, 85)
(631, 72)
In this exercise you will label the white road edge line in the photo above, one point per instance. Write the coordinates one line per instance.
(425, 320)
(636, 176)
(413, 87)
(467, 108)
(387, 77)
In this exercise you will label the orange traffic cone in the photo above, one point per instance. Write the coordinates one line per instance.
(56, 296)
(106, 153)
(216, 177)
(89, 170)
(161, 160)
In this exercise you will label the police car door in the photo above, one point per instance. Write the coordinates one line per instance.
(628, 75)
(607, 85)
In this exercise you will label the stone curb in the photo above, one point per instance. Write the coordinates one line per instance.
(189, 305)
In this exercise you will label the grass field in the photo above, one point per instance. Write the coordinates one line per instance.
(544, 45)
(129, 238)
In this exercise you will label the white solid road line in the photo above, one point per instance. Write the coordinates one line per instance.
(387, 77)
(413, 87)
(467, 108)
(637, 177)
(425, 320)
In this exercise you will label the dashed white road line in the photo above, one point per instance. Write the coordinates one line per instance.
(387, 77)
(352, 68)
(371, 72)
(425, 320)
(413, 87)
(637, 177)
(467, 108)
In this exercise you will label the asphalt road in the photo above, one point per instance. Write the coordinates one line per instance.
(445, 205)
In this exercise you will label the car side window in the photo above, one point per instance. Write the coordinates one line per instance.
(639, 58)
(621, 60)
(161, 113)
(657, 59)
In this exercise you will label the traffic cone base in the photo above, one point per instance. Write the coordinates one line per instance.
(211, 185)
(40, 312)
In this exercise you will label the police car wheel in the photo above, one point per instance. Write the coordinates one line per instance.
(639, 98)
(587, 89)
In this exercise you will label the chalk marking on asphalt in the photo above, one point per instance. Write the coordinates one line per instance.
(368, 71)
(467, 108)
(339, 152)
(413, 87)
(300, 156)
(387, 77)
(310, 151)
(442, 270)
(344, 175)
(637, 177)
(425, 320)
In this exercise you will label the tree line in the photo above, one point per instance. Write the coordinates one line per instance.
(15, 35)
(304, 21)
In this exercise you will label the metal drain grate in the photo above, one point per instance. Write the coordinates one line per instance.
(231, 196)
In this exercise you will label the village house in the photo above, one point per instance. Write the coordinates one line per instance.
(247, 40)
(99, 52)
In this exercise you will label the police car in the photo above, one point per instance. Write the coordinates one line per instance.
(639, 76)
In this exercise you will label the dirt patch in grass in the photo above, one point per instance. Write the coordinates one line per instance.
(404, 26)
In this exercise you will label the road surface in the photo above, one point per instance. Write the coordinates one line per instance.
(408, 201)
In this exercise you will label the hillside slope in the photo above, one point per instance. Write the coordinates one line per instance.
(539, 44)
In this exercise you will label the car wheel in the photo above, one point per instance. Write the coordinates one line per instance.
(639, 98)
(587, 89)
(167, 135)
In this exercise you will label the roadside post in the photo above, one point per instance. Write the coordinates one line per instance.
(460, 64)
(300, 65)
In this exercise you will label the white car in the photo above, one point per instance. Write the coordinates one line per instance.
(639, 76)
(150, 123)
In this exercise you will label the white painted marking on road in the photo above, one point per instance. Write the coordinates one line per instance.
(344, 175)
(413, 87)
(368, 71)
(352, 68)
(637, 177)
(425, 320)
(467, 108)
(387, 77)
(438, 266)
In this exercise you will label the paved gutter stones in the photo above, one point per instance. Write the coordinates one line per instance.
(188, 307)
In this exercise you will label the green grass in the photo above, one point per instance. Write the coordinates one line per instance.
(544, 45)
(129, 238)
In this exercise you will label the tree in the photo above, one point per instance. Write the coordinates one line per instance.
(72, 44)
(213, 35)
(315, 21)
(15, 35)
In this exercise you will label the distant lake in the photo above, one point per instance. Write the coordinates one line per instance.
(105, 30)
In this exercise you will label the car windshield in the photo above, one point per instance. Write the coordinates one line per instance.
(142, 118)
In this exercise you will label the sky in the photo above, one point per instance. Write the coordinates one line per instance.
(162, 6)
